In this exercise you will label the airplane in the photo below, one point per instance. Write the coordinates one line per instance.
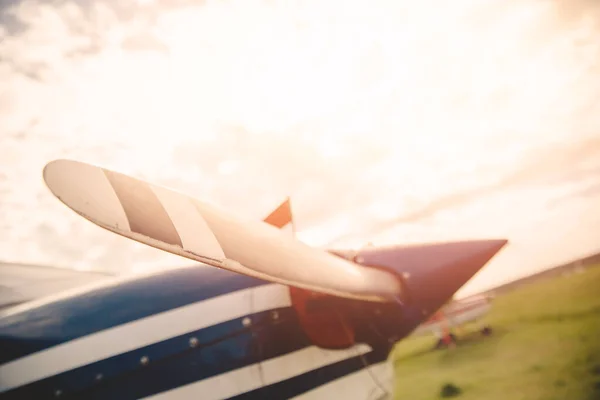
(445, 323)
(265, 317)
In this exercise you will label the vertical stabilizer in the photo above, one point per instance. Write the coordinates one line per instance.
(282, 217)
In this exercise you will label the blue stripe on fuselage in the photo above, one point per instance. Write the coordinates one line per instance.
(173, 362)
(39, 328)
(303, 383)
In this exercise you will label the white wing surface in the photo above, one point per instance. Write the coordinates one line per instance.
(20, 283)
(182, 225)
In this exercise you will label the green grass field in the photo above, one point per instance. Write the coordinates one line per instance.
(545, 345)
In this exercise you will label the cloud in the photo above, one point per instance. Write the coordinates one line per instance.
(375, 119)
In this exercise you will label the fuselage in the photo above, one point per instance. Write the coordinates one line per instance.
(196, 332)
(210, 333)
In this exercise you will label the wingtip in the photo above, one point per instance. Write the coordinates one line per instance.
(51, 167)
(48, 172)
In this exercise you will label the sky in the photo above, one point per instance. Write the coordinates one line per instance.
(385, 121)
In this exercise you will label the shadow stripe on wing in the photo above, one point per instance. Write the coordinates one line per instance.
(145, 213)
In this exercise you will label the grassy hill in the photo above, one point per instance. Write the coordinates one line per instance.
(545, 345)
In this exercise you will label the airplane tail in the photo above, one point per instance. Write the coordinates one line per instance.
(431, 273)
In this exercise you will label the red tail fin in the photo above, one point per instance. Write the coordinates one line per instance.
(282, 216)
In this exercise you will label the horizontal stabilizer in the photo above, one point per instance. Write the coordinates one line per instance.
(182, 225)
